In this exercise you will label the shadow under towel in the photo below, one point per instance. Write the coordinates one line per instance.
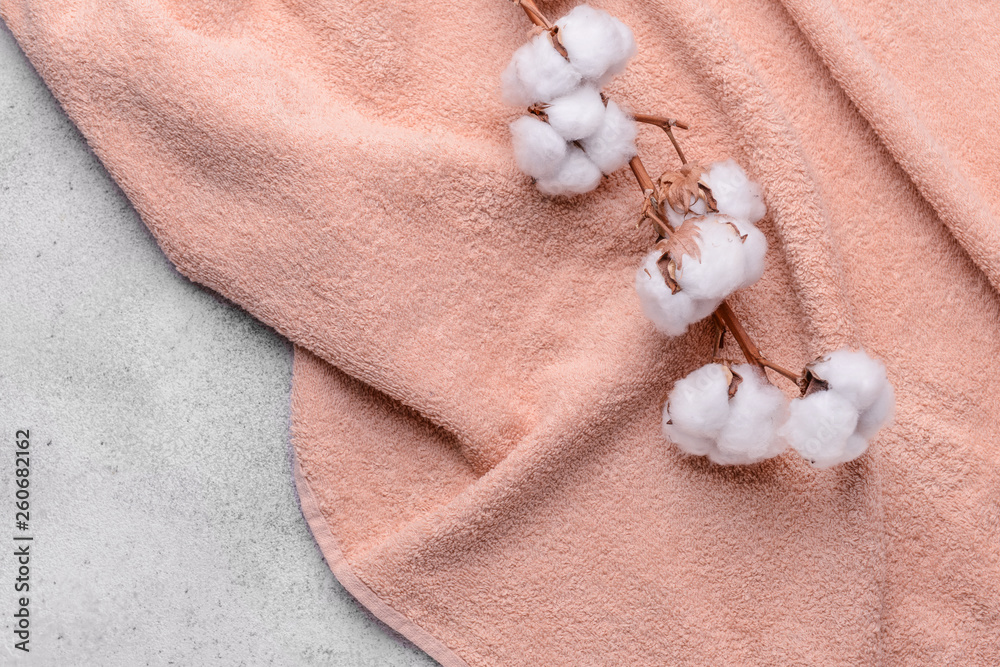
(477, 396)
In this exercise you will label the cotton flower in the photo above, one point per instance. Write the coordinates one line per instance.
(538, 149)
(562, 168)
(598, 44)
(613, 144)
(702, 419)
(671, 313)
(709, 258)
(834, 425)
(576, 175)
(710, 255)
(538, 73)
(567, 92)
(578, 114)
(548, 151)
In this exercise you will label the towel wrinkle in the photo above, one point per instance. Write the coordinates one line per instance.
(883, 103)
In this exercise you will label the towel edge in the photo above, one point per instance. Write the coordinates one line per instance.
(345, 574)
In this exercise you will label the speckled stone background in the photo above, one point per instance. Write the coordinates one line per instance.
(166, 527)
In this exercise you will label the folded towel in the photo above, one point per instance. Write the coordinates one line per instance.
(476, 393)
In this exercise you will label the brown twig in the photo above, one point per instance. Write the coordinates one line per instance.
(641, 175)
(534, 13)
(660, 121)
(651, 206)
(665, 124)
(724, 316)
(720, 338)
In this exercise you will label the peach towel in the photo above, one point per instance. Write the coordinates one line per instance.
(477, 396)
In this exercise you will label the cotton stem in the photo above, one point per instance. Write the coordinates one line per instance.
(667, 125)
(651, 205)
(725, 317)
(534, 13)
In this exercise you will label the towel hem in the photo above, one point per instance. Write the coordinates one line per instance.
(344, 573)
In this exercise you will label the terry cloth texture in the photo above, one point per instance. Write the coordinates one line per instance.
(476, 394)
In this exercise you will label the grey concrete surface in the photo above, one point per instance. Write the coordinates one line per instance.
(165, 526)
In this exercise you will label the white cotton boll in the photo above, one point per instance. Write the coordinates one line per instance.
(879, 415)
(538, 149)
(699, 402)
(754, 252)
(537, 73)
(613, 144)
(670, 313)
(598, 44)
(626, 51)
(854, 375)
(688, 443)
(819, 427)
(702, 308)
(720, 269)
(861, 380)
(755, 413)
(857, 384)
(701, 418)
(576, 175)
(734, 193)
(578, 114)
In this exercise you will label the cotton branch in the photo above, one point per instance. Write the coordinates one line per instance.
(665, 124)
(654, 199)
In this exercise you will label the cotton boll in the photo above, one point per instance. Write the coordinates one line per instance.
(857, 384)
(861, 380)
(537, 73)
(702, 419)
(699, 402)
(670, 313)
(755, 413)
(734, 193)
(879, 415)
(628, 50)
(854, 375)
(538, 149)
(576, 175)
(578, 114)
(819, 427)
(720, 269)
(754, 251)
(598, 44)
(688, 443)
(613, 144)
